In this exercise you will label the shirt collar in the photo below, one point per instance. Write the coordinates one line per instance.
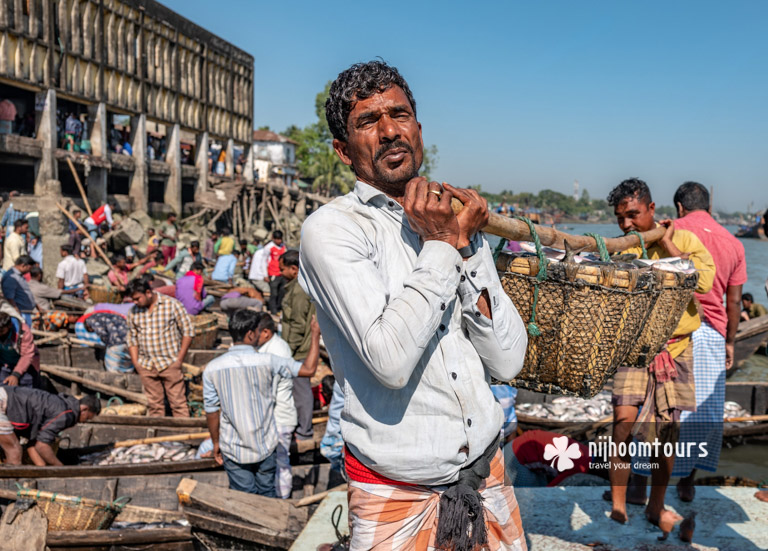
(241, 347)
(369, 194)
(698, 214)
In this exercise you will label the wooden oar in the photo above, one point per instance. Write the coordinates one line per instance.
(757, 418)
(155, 439)
(314, 498)
(517, 230)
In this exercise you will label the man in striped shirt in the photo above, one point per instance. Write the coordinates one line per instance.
(159, 334)
(240, 402)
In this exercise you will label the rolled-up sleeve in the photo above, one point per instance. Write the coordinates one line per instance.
(27, 351)
(284, 367)
(501, 340)
(211, 401)
(388, 333)
(133, 331)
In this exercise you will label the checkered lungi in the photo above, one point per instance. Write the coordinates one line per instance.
(706, 423)
(385, 517)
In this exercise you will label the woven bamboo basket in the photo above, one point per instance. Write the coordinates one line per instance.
(206, 329)
(74, 513)
(673, 296)
(101, 293)
(583, 320)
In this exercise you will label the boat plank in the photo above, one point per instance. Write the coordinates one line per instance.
(237, 529)
(276, 514)
(148, 421)
(119, 537)
(106, 471)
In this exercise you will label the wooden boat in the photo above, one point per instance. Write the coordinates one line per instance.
(751, 336)
(756, 231)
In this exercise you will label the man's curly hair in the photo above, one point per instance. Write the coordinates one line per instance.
(633, 187)
(360, 81)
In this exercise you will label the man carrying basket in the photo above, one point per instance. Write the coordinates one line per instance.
(416, 323)
(665, 388)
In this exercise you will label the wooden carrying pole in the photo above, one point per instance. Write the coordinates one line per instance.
(517, 230)
(80, 186)
(82, 230)
(171, 438)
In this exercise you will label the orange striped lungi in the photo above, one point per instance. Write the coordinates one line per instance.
(386, 517)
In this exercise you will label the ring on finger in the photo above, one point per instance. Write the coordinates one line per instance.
(436, 192)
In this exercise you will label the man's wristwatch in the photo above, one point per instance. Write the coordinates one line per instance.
(467, 251)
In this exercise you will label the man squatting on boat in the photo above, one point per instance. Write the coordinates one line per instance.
(416, 322)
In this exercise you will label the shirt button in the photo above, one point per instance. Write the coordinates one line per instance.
(473, 274)
(442, 327)
(391, 203)
(469, 422)
(454, 375)
(463, 278)
(458, 268)
(442, 306)
(477, 314)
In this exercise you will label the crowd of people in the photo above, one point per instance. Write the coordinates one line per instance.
(150, 332)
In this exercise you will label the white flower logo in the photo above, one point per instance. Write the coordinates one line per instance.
(559, 451)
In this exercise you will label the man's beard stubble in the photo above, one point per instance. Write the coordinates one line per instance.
(397, 178)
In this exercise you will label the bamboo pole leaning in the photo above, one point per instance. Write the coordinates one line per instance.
(83, 231)
(80, 186)
(517, 230)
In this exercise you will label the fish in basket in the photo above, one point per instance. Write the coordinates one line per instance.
(74, 513)
(583, 319)
(206, 330)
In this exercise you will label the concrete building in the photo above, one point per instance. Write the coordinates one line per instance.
(274, 157)
(121, 69)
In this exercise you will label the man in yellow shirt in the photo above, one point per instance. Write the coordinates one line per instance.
(665, 388)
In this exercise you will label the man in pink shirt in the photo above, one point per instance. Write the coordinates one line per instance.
(713, 342)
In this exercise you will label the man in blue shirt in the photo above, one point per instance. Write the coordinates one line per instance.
(239, 404)
(16, 289)
(225, 267)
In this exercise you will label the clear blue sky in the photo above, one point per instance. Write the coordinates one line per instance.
(533, 95)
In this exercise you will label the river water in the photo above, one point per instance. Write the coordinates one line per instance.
(756, 251)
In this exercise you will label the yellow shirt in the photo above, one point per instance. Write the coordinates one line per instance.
(688, 243)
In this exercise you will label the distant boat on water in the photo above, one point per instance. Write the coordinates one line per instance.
(756, 231)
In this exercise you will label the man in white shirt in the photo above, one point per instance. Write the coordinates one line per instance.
(258, 271)
(15, 244)
(416, 323)
(285, 413)
(71, 272)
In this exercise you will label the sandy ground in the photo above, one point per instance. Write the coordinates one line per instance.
(576, 519)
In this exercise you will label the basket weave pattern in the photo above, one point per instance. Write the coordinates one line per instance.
(589, 319)
(73, 513)
(206, 330)
(675, 293)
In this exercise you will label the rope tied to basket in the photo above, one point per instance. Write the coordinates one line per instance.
(533, 329)
(499, 248)
(601, 248)
(642, 242)
(115, 399)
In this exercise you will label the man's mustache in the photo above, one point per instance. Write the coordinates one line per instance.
(397, 144)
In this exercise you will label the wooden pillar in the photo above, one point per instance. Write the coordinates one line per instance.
(96, 182)
(248, 168)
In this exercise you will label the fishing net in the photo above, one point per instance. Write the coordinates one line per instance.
(674, 294)
(582, 320)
